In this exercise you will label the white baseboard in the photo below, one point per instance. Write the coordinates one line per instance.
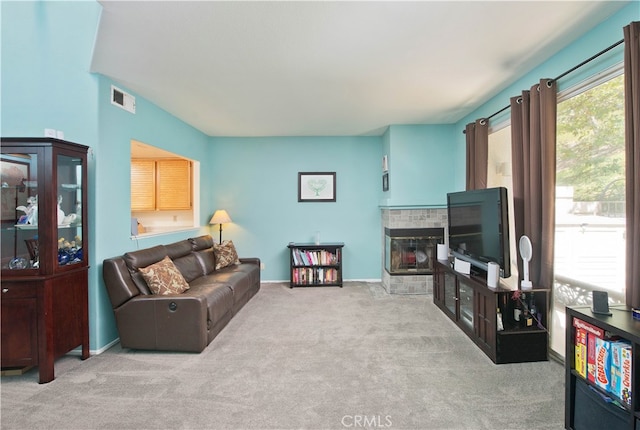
(92, 352)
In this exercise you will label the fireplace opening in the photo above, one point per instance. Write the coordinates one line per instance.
(411, 251)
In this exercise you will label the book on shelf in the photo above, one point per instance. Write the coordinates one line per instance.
(314, 257)
(314, 275)
(592, 333)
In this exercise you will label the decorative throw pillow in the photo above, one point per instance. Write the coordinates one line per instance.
(225, 253)
(164, 278)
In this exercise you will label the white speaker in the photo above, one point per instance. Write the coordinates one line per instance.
(493, 274)
(443, 251)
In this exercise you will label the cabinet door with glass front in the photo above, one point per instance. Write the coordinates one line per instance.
(43, 206)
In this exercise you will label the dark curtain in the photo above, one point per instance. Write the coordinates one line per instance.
(477, 135)
(632, 149)
(533, 141)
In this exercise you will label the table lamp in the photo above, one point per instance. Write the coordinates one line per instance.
(220, 217)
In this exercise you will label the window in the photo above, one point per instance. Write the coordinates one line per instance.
(164, 190)
(590, 197)
(499, 175)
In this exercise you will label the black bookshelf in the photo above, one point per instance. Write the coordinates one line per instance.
(587, 404)
(315, 265)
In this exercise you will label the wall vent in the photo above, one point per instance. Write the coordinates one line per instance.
(122, 99)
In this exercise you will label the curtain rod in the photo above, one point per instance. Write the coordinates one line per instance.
(562, 75)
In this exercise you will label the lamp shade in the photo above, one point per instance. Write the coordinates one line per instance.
(220, 217)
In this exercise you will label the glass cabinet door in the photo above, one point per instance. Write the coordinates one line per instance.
(466, 304)
(69, 209)
(19, 213)
(450, 292)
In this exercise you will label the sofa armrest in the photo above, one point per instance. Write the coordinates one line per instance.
(169, 323)
(251, 260)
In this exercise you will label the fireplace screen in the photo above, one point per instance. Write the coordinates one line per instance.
(410, 251)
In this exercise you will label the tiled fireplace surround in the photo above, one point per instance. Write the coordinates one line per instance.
(410, 218)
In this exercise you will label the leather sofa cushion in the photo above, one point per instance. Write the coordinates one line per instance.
(207, 259)
(190, 267)
(218, 295)
(252, 271)
(144, 257)
(238, 281)
(201, 242)
(178, 249)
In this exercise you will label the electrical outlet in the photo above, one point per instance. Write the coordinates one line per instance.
(262, 266)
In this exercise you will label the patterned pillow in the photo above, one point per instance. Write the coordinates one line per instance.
(225, 253)
(164, 278)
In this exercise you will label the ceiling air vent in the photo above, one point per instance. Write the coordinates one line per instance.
(122, 99)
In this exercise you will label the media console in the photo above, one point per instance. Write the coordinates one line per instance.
(488, 315)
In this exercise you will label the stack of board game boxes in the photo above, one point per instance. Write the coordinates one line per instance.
(603, 360)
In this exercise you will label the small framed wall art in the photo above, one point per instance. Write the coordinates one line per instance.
(316, 186)
(385, 182)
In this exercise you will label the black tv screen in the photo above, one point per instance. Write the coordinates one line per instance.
(479, 228)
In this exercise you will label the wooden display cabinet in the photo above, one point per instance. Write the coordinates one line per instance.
(44, 258)
(473, 306)
(314, 265)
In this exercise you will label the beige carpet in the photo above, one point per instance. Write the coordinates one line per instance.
(316, 358)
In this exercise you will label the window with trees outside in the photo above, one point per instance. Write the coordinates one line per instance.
(499, 175)
(590, 198)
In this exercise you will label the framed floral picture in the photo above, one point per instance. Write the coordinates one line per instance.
(316, 186)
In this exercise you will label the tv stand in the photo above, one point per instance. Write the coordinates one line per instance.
(469, 302)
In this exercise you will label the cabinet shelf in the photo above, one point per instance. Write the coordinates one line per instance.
(315, 265)
(601, 391)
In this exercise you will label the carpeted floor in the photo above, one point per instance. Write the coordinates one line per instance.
(316, 358)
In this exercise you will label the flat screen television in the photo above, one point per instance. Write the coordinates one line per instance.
(479, 228)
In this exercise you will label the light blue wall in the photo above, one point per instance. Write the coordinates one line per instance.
(117, 128)
(255, 180)
(423, 165)
(46, 53)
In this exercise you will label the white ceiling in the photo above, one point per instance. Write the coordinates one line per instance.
(307, 68)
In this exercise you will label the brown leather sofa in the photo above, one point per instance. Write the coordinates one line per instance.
(183, 322)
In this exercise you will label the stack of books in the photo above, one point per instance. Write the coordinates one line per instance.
(603, 360)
